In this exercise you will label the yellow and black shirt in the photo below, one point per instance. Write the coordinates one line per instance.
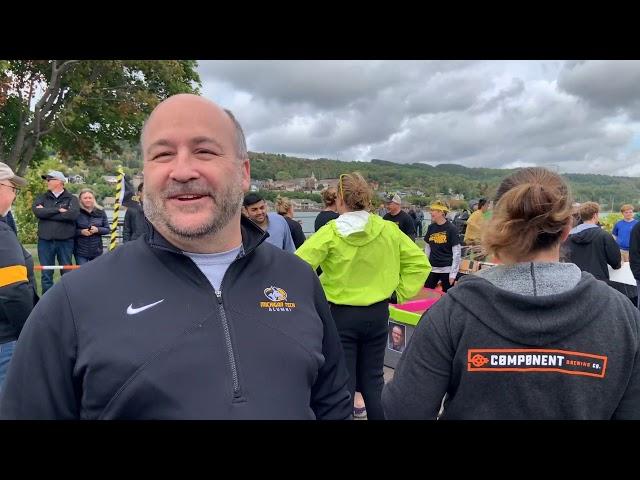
(441, 240)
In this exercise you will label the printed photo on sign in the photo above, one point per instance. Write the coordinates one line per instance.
(397, 338)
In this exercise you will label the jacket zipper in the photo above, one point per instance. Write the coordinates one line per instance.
(227, 338)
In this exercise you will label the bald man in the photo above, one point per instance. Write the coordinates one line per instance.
(201, 318)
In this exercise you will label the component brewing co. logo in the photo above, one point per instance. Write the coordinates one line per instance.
(527, 360)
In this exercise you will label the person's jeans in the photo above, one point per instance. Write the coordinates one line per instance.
(48, 250)
(363, 334)
(82, 260)
(6, 352)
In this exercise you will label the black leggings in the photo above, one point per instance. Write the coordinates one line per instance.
(432, 281)
(363, 332)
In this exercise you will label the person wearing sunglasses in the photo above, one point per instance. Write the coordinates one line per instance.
(57, 210)
(16, 293)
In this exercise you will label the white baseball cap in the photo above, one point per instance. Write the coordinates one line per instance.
(55, 174)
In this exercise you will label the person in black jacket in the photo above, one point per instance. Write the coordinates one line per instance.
(205, 320)
(393, 203)
(285, 208)
(16, 294)
(91, 224)
(8, 219)
(590, 247)
(135, 225)
(634, 256)
(57, 211)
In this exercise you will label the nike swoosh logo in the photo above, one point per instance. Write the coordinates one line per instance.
(133, 311)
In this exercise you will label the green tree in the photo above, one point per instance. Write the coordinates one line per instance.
(608, 221)
(76, 106)
(282, 176)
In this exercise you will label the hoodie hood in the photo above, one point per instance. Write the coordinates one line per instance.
(532, 320)
(358, 228)
(584, 233)
(352, 222)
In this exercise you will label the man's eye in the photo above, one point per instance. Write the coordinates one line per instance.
(162, 154)
(208, 152)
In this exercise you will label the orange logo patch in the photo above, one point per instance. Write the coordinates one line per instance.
(478, 360)
(529, 360)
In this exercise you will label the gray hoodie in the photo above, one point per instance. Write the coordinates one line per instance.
(510, 346)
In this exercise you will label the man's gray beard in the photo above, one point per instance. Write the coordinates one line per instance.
(228, 204)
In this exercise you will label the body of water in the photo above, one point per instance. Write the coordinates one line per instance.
(307, 219)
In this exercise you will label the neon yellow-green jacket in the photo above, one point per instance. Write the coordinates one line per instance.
(368, 266)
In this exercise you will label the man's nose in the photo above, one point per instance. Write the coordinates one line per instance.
(184, 167)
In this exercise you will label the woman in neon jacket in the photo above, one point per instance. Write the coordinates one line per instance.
(365, 261)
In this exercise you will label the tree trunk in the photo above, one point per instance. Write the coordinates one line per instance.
(26, 157)
(16, 151)
(31, 129)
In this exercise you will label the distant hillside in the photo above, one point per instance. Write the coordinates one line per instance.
(444, 178)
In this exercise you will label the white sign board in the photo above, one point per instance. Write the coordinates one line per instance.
(622, 275)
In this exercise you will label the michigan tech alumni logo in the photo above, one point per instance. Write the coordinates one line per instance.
(277, 300)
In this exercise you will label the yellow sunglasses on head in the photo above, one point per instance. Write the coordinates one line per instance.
(340, 189)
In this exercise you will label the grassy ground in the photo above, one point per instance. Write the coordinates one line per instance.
(32, 248)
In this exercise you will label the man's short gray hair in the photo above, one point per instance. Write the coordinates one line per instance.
(241, 142)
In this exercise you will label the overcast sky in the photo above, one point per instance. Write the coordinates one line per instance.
(581, 116)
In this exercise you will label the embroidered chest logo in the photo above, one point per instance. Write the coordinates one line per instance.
(277, 300)
(536, 360)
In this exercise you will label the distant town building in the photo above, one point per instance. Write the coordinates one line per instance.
(76, 179)
(137, 179)
(329, 182)
(110, 179)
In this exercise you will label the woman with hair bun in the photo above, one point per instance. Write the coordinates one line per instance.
(530, 338)
(285, 208)
(330, 212)
(365, 260)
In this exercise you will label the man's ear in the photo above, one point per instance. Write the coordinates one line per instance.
(245, 170)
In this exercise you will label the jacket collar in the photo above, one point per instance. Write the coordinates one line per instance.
(64, 193)
(252, 236)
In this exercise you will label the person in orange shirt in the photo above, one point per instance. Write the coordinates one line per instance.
(475, 223)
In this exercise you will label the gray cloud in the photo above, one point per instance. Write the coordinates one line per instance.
(579, 116)
(607, 84)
